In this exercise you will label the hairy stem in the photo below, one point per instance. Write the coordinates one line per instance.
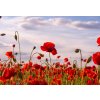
(19, 46)
(81, 58)
(31, 55)
(50, 58)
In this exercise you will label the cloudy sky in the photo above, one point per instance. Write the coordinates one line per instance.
(68, 33)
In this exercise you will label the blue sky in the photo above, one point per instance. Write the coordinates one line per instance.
(67, 32)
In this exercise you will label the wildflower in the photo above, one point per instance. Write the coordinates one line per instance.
(8, 72)
(98, 41)
(37, 66)
(58, 57)
(9, 54)
(96, 58)
(89, 82)
(2, 80)
(38, 57)
(49, 47)
(65, 59)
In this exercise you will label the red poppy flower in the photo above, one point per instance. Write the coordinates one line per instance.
(98, 41)
(49, 47)
(9, 54)
(2, 80)
(96, 58)
(58, 57)
(69, 63)
(39, 57)
(37, 66)
(85, 60)
(89, 82)
(65, 59)
(8, 72)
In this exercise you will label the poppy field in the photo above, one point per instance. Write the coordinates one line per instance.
(18, 72)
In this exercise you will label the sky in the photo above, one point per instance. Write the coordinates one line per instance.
(67, 32)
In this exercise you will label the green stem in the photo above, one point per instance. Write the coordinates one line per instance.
(19, 46)
(50, 58)
(13, 50)
(81, 58)
(31, 55)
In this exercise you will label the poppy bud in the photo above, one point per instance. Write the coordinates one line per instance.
(77, 50)
(3, 34)
(15, 36)
(42, 55)
(89, 59)
(46, 59)
(58, 57)
(16, 53)
(34, 47)
(13, 45)
(22, 61)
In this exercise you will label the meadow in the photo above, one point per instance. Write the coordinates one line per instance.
(15, 71)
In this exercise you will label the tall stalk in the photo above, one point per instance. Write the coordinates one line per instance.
(17, 39)
(50, 58)
(31, 55)
(79, 51)
(81, 58)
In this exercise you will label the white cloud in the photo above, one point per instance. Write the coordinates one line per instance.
(34, 23)
(65, 33)
(39, 23)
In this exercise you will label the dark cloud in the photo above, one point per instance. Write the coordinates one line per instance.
(88, 25)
